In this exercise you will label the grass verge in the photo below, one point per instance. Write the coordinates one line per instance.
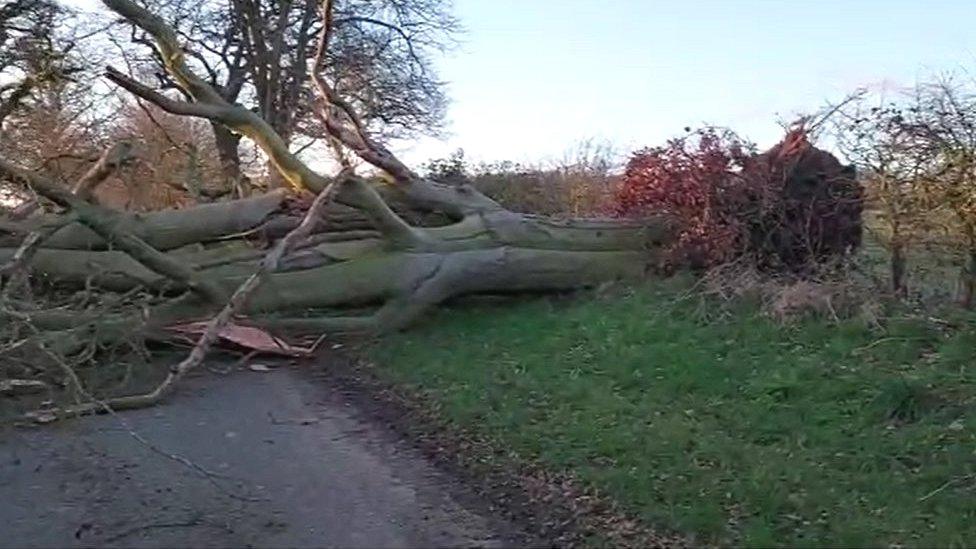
(728, 427)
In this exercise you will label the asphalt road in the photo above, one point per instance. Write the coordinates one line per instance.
(290, 464)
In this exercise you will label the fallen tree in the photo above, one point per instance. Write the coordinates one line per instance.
(359, 254)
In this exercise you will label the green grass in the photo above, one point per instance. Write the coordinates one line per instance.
(734, 429)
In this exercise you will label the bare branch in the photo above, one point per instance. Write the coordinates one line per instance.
(169, 105)
(216, 324)
(115, 156)
(102, 221)
(209, 104)
(356, 137)
(14, 268)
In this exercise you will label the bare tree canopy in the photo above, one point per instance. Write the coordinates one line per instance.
(256, 52)
(31, 50)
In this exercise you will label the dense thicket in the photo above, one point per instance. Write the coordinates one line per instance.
(789, 207)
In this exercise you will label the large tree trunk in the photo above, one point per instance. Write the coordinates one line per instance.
(401, 269)
(364, 253)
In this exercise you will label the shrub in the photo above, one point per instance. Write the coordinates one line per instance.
(452, 169)
(582, 183)
(694, 178)
(789, 207)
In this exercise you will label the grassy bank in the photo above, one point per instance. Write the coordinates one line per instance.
(729, 427)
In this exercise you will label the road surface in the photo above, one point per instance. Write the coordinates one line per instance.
(290, 464)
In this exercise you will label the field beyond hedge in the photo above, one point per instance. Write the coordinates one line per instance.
(719, 422)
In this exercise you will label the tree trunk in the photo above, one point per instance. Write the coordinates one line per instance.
(165, 230)
(898, 264)
(399, 265)
(401, 269)
(967, 278)
(228, 153)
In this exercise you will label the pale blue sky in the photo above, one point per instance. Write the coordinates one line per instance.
(534, 76)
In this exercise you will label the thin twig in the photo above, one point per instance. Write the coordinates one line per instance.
(948, 483)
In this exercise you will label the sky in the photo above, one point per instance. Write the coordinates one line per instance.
(536, 76)
(532, 78)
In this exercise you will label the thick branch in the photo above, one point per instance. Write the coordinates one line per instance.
(103, 222)
(456, 201)
(169, 229)
(115, 156)
(216, 324)
(356, 138)
(359, 194)
(171, 106)
(207, 101)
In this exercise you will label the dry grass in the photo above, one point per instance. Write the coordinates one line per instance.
(555, 192)
(835, 293)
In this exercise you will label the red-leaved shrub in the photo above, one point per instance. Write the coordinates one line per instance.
(790, 206)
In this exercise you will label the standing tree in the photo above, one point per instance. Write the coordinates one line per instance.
(873, 133)
(177, 162)
(944, 124)
(50, 119)
(256, 52)
(29, 54)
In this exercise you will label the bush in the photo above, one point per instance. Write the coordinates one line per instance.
(789, 207)
(583, 183)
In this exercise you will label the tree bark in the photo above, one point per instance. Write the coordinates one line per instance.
(397, 267)
(165, 229)
(967, 278)
(229, 156)
(898, 263)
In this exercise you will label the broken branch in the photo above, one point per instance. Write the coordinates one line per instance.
(103, 222)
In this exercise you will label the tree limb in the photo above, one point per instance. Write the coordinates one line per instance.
(217, 323)
(115, 156)
(207, 102)
(458, 201)
(12, 269)
(103, 222)
(356, 138)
